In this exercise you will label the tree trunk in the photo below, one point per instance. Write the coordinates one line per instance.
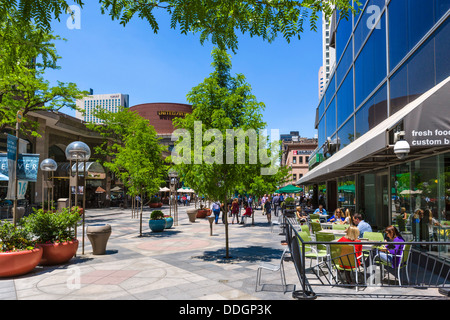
(225, 221)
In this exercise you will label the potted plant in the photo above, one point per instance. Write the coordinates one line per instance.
(157, 223)
(202, 213)
(169, 222)
(155, 202)
(18, 252)
(55, 234)
(289, 205)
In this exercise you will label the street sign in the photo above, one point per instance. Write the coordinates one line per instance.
(19, 116)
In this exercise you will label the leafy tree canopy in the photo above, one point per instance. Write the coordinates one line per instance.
(217, 21)
(26, 52)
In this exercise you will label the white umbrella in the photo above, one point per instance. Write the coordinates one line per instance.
(165, 189)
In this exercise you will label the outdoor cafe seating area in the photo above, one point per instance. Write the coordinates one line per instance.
(323, 260)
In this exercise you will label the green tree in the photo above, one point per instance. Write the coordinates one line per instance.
(219, 21)
(132, 151)
(224, 112)
(26, 52)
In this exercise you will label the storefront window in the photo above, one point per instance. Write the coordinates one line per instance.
(347, 193)
(421, 193)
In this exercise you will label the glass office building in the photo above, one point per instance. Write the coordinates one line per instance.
(390, 83)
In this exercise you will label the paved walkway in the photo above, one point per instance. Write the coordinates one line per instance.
(181, 263)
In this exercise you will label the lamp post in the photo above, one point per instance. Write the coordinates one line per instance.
(173, 176)
(78, 151)
(48, 165)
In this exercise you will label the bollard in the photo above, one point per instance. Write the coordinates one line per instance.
(211, 221)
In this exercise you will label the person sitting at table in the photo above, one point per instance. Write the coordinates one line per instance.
(337, 217)
(320, 210)
(361, 224)
(347, 217)
(301, 215)
(351, 235)
(392, 253)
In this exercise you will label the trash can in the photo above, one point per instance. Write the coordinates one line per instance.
(63, 203)
(98, 235)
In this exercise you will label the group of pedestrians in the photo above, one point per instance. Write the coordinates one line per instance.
(233, 210)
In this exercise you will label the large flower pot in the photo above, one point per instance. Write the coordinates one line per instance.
(98, 235)
(154, 205)
(169, 222)
(58, 253)
(157, 225)
(192, 214)
(201, 213)
(17, 263)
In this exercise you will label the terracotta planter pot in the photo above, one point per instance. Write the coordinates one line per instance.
(17, 263)
(153, 205)
(58, 253)
(201, 213)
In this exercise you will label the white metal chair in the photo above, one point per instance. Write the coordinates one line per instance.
(273, 268)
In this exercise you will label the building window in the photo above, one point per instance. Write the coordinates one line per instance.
(294, 160)
(370, 66)
(307, 159)
(372, 113)
(294, 177)
(300, 159)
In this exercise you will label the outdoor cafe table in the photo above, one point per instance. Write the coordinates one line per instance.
(327, 225)
(337, 233)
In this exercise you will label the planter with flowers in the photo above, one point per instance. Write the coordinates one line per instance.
(55, 234)
(18, 252)
(157, 223)
(155, 202)
(203, 212)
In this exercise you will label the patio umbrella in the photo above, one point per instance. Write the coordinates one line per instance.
(100, 190)
(185, 190)
(116, 189)
(165, 189)
(289, 189)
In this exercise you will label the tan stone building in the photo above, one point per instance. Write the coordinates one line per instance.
(296, 153)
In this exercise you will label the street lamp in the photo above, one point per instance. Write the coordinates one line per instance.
(78, 151)
(173, 178)
(48, 165)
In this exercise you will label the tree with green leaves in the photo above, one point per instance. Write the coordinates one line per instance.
(132, 152)
(218, 21)
(221, 145)
(26, 52)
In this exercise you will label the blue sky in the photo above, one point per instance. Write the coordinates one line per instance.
(163, 67)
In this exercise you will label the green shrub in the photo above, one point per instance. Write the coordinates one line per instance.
(14, 238)
(54, 227)
(157, 215)
(289, 201)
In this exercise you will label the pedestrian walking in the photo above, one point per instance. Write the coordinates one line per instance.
(268, 209)
(235, 211)
(216, 210)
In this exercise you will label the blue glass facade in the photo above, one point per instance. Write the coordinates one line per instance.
(387, 55)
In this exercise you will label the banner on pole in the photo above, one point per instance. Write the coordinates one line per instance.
(27, 165)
